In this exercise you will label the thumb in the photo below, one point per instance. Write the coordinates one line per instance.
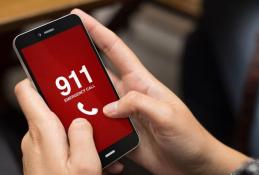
(83, 154)
(138, 103)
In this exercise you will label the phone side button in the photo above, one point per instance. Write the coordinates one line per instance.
(110, 153)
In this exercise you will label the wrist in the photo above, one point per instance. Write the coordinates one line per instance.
(222, 159)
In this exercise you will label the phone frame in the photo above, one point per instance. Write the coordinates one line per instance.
(120, 148)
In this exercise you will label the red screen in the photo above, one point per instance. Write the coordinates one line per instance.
(74, 83)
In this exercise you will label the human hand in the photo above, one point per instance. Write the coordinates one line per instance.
(46, 147)
(171, 140)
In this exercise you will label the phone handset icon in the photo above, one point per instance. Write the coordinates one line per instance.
(80, 106)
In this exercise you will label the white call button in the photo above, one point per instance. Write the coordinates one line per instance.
(80, 106)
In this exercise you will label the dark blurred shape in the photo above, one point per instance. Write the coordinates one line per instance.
(217, 71)
(12, 128)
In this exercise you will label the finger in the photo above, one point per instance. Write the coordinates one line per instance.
(120, 55)
(83, 154)
(115, 168)
(137, 103)
(32, 104)
(45, 128)
(40, 118)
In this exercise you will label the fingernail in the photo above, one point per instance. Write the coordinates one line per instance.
(111, 108)
(79, 121)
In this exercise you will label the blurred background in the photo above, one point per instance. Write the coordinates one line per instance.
(207, 52)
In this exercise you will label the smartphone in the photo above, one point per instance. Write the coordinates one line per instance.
(62, 62)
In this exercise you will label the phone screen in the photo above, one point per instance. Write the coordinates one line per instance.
(74, 83)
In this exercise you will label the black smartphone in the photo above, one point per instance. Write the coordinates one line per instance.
(62, 61)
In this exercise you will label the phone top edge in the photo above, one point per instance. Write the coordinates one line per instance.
(17, 41)
(38, 27)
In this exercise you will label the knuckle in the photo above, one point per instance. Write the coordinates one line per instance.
(35, 133)
(133, 101)
(132, 95)
(25, 142)
(40, 129)
(166, 112)
(107, 47)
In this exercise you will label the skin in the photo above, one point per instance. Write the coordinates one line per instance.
(171, 140)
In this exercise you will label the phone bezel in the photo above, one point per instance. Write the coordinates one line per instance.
(123, 146)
